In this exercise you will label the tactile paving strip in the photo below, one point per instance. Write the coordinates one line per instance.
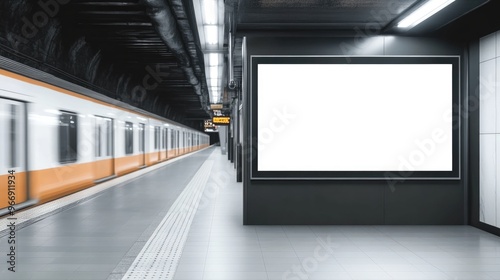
(160, 256)
(30, 216)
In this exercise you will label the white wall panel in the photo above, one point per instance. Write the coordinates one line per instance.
(488, 179)
(498, 179)
(497, 95)
(487, 88)
(498, 44)
(487, 47)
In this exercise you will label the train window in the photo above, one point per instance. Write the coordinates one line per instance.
(172, 139)
(103, 136)
(142, 137)
(157, 137)
(129, 138)
(68, 141)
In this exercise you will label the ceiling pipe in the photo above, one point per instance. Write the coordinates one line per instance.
(231, 83)
(165, 24)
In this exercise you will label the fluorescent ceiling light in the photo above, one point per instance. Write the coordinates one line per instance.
(214, 72)
(213, 59)
(214, 82)
(210, 11)
(423, 12)
(211, 34)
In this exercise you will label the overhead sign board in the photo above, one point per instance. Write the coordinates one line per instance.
(209, 124)
(218, 113)
(225, 120)
(216, 106)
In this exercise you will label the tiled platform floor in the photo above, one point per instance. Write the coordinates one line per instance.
(95, 238)
(219, 247)
(100, 238)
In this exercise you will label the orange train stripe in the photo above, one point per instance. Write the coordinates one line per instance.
(163, 155)
(20, 189)
(170, 154)
(127, 164)
(104, 168)
(53, 183)
(48, 184)
(152, 158)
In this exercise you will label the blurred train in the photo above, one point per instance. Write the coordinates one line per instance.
(57, 138)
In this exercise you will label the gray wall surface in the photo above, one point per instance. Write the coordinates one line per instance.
(376, 202)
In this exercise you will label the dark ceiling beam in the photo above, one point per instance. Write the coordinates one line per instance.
(130, 43)
(125, 30)
(150, 56)
(120, 3)
(175, 81)
(142, 60)
(111, 13)
(127, 39)
(115, 24)
(145, 48)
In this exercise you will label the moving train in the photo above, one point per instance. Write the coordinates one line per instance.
(57, 138)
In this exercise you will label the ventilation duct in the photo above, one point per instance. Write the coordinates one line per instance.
(165, 24)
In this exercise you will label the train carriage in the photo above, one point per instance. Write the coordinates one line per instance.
(59, 141)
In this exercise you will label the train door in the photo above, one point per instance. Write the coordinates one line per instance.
(13, 169)
(177, 142)
(104, 157)
(164, 144)
(157, 143)
(167, 142)
(142, 144)
(183, 144)
(172, 143)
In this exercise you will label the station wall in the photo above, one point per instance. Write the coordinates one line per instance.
(489, 130)
(351, 201)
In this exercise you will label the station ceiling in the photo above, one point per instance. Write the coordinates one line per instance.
(147, 52)
(339, 17)
(463, 20)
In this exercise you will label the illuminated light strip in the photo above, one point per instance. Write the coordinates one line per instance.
(210, 14)
(423, 12)
(212, 34)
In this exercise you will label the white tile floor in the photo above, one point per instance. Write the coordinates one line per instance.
(219, 247)
(100, 238)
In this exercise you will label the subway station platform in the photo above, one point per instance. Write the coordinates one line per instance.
(183, 220)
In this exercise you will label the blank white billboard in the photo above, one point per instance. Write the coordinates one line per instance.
(354, 117)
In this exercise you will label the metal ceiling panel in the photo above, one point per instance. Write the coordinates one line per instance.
(311, 14)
